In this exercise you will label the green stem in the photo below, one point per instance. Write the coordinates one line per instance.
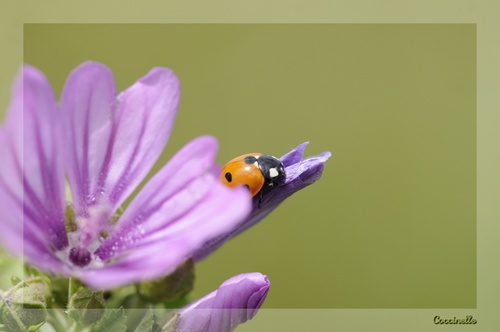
(73, 327)
(69, 288)
(56, 320)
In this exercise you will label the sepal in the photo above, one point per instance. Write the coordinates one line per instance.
(112, 320)
(149, 323)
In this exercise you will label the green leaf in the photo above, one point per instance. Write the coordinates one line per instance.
(171, 325)
(86, 307)
(113, 320)
(35, 327)
(148, 323)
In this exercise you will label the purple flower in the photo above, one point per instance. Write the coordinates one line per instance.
(105, 143)
(300, 173)
(236, 301)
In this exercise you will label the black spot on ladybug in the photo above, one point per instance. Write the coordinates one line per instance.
(249, 160)
(246, 186)
(228, 177)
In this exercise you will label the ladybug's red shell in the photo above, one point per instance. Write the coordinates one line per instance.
(253, 170)
(243, 171)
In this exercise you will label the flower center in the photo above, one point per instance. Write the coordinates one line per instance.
(86, 231)
(79, 256)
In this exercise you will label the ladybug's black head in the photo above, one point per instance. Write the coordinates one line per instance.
(272, 168)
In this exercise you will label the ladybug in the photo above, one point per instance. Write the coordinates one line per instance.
(254, 171)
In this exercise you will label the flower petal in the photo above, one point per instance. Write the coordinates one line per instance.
(295, 155)
(299, 174)
(32, 174)
(236, 301)
(88, 108)
(179, 209)
(159, 255)
(112, 142)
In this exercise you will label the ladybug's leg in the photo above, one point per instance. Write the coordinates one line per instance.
(260, 198)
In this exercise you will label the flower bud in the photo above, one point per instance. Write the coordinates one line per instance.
(22, 307)
(86, 307)
(237, 300)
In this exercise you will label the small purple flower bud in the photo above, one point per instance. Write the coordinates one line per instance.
(237, 300)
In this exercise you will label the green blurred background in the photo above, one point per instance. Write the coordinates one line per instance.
(392, 223)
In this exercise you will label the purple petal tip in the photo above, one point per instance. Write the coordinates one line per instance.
(300, 173)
